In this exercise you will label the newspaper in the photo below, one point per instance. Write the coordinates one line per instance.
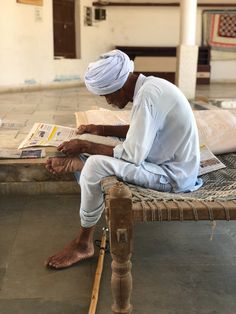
(217, 129)
(11, 124)
(43, 134)
(22, 154)
(103, 116)
(208, 161)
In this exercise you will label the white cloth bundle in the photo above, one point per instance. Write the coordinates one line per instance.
(109, 73)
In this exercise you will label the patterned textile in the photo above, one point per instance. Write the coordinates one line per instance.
(219, 29)
(219, 185)
(227, 25)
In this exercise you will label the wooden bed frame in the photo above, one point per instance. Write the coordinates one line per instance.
(122, 211)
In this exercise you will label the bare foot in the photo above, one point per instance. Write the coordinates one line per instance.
(64, 164)
(73, 253)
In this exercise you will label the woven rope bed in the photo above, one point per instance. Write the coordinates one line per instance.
(126, 203)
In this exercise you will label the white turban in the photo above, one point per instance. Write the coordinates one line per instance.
(109, 73)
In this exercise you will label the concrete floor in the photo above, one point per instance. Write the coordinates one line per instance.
(177, 268)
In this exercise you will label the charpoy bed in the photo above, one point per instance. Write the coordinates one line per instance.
(126, 204)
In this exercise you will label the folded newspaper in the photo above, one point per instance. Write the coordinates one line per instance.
(22, 154)
(43, 134)
(208, 161)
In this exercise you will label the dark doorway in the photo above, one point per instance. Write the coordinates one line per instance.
(64, 28)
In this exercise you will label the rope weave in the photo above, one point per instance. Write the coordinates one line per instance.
(219, 187)
(195, 213)
(226, 209)
(181, 211)
(157, 204)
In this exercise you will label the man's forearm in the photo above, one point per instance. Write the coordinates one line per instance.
(97, 149)
(115, 130)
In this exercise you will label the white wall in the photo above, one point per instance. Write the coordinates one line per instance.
(26, 45)
(159, 26)
(150, 26)
(223, 71)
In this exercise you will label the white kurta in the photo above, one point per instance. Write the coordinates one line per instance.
(161, 149)
(163, 135)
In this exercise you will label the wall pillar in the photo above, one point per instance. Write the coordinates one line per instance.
(187, 51)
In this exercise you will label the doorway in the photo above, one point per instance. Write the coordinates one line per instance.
(66, 29)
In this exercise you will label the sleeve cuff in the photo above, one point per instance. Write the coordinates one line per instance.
(118, 151)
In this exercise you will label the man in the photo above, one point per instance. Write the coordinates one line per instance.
(160, 151)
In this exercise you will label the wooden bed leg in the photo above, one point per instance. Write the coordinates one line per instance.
(121, 236)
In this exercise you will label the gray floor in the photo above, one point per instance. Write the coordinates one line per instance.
(177, 268)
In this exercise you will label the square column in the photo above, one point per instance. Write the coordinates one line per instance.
(186, 69)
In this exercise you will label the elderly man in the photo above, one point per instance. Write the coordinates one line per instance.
(160, 150)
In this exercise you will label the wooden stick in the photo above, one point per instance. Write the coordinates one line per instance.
(96, 284)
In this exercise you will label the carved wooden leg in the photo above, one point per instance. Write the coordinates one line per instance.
(121, 236)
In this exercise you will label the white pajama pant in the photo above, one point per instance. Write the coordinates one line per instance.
(97, 167)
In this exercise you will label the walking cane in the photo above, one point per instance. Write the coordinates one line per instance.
(96, 284)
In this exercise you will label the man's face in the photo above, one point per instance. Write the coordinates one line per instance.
(118, 99)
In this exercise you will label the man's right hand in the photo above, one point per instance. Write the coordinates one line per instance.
(104, 130)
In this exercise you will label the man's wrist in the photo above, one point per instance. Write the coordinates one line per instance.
(86, 147)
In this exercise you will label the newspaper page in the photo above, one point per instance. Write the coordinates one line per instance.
(43, 134)
(22, 154)
(103, 117)
(11, 124)
(105, 140)
(10, 154)
(208, 161)
(217, 129)
(33, 153)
